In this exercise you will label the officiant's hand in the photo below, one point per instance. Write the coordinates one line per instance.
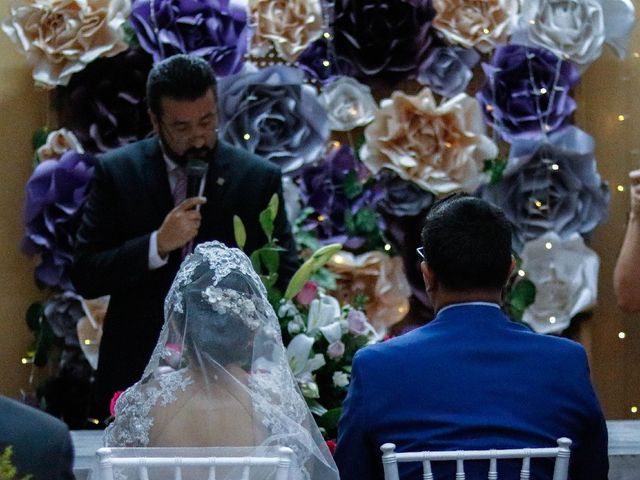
(180, 226)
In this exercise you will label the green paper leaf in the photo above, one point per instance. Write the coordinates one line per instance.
(329, 421)
(38, 139)
(352, 187)
(495, 167)
(366, 220)
(521, 295)
(34, 316)
(43, 344)
(239, 232)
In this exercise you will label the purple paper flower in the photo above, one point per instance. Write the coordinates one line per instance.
(402, 198)
(215, 30)
(381, 38)
(54, 195)
(527, 92)
(320, 64)
(335, 189)
(107, 108)
(357, 322)
(336, 350)
(447, 70)
(555, 188)
(272, 113)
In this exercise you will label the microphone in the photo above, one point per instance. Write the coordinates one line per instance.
(196, 173)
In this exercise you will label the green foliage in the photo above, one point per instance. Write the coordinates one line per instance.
(495, 167)
(239, 232)
(7, 470)
(352, 186)
(38, 139)
(312, 264)
(44, 336)
(521, 294)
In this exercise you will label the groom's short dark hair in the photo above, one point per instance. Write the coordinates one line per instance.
(467, 243)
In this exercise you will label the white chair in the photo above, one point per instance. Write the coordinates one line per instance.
(390, 460)
(208, 465)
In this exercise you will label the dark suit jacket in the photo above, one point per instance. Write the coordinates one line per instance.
(41, 443)
(471, 379)
(129, 199)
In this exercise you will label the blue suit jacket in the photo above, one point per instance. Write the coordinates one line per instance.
(471, 379)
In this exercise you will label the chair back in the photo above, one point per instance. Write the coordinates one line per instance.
(145, 461)
(390, 460)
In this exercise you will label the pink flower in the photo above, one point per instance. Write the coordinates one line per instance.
(331, 445)
(308, 293)
(112, 403)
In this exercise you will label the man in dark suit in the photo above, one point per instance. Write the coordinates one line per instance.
(41, 443)
(471, 378)
(137, 223)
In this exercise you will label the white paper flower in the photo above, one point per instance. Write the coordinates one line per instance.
(340, 379)
(576, 29)
(58, 142)
(441, 148)
(565, 274)
(60, 37)
(349, 104)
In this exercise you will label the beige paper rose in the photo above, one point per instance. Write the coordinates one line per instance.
(60, 37)
(287, 25)
(440, 148)
(58, 142)
(475, 24)
(378, 277)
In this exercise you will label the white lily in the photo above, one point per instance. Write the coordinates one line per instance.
(324, 317)
(299, 356)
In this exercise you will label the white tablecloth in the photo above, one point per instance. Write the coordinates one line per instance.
(624, 450)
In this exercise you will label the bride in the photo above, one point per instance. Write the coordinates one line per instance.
(219, 376)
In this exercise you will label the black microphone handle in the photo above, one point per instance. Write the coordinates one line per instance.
(193, 185)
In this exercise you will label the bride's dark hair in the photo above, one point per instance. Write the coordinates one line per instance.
(213, 330)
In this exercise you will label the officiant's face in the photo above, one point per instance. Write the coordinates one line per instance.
(187, 128)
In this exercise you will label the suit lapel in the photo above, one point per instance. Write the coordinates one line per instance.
(154, 175)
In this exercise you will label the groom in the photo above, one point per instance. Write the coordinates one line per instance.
(472, 378)
(137, 223)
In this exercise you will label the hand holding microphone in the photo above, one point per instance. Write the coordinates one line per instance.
(181, 224)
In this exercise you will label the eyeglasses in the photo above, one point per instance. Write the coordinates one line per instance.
(420, 251)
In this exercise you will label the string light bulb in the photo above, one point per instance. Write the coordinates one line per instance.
(634, 409)
(620, 188)
(327, 35)
(621, 118)
(621, 335)
(486, 31)
(246, 136)
(548, 245)
(543, 91)
(521, 273)
(552, 319)
(387, 247)
(555, 167)
(326, 63)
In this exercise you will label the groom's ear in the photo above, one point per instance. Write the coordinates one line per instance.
(429, 276)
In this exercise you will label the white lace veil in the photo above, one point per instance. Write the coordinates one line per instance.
(219, 374)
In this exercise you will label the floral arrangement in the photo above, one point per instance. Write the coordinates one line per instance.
(373, 110)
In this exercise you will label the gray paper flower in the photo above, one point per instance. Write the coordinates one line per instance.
(552, 186)
(272, 113)
(447, 70)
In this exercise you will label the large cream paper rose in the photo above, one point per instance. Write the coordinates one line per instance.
(475, 24)
(378, 277)
(60, 37)
(565, 274)
(287, 25)
(441, 148)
